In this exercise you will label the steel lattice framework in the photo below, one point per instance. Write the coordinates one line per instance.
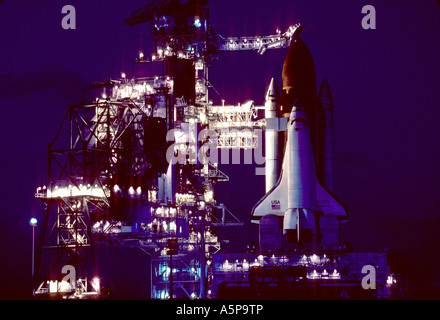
(101, 156)
(103, 142)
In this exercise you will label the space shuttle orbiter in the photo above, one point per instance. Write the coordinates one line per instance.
(299, 140)
(298, 196)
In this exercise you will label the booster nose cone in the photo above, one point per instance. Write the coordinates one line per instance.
(325, 94)
(273, 100)
(273, 94)
(298, 77)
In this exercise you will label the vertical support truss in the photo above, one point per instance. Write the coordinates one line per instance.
(69, 244)
(95, 144)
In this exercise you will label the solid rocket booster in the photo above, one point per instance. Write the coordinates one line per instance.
(325, 136)
(272, 136)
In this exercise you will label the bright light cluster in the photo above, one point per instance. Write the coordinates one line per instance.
(62, 191)
(145, 86)
(185, 199)
(391, 280)
(317, 264)
(324, 274)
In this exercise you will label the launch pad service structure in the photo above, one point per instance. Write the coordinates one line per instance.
(136, 166)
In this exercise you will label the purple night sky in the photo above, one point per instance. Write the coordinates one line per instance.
(385, 85)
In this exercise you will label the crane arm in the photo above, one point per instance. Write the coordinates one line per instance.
(261, 44)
